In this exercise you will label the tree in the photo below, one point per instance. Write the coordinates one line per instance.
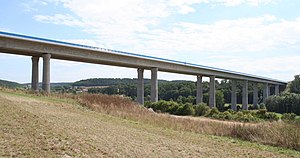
(295, 85)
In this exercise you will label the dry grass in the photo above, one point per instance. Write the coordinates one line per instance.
(51, 126)
(47, 126)
(270, 133)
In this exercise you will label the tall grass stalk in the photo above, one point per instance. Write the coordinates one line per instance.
(270, 133)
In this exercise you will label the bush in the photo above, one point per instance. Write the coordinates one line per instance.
(162, 105)
(149, 104)
(231, 111)
(271, 116)
(201, 109)
(173, 107)
(297, 121)
(289, 117)
(213, 111)
(186, 109)
(261, 113)
(262, 106)
(228, 115)
(247, 118)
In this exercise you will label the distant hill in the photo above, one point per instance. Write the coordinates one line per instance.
(111, 81)
(9, 84)
(89, 82)
(56, 84)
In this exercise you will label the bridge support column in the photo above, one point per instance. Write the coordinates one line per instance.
(154, 85)
(233, 95)
(255, 95)
(269, 89)
(245, 95)
(276, 89)
(266, 92)
(212, 92)
(46, 73)
(35, 73)
(140, 86)
(199, 97)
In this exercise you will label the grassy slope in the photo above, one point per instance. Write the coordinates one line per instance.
(47, 127)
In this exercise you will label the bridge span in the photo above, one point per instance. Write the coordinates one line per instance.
(46, 49)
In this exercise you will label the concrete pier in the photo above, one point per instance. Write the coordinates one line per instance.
(233, 95)
(212, 92)
(46, 73)
(35, 73)
(255, 95)
(266, 92)
(154, 85)
(199, 97)
(140, 86)
(276, 89)
(245, 95)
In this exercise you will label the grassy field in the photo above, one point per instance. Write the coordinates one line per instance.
(41, 126)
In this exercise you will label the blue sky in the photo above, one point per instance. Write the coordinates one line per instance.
(260, 37)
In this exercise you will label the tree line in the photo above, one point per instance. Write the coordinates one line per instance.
(179, 91)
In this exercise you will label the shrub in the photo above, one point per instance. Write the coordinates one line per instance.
(247, 118)
(201, 109)
(162, 105)
(149, 104)
(288, 117)
(297, 121)
(173, 107)
(262, 106)
(231, 111)
(186, 109)
(261, 113)
(271, 116)
(245, 112)
(228, 115)
(213, 111)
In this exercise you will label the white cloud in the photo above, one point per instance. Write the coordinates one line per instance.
(137, 26)
(59, 19)
(233, 3)
(5, 29)
(275, 67)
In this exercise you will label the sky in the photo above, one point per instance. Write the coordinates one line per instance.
(260, 37)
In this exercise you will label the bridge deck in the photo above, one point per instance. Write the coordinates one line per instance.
(35, 46)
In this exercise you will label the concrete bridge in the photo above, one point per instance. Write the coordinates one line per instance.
(47, 49)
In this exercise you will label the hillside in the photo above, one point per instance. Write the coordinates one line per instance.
(38, 126)
(112, 81)
(9, 84)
